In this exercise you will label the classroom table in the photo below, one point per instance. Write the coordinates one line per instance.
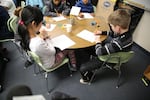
(92, 24)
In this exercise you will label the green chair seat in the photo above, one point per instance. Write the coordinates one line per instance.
(116, 59)
(113, 58)
(37, 60)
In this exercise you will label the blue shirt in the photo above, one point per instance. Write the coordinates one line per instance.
(38, 3)
(85, 8)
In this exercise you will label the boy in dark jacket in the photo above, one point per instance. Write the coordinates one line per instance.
(119, 39)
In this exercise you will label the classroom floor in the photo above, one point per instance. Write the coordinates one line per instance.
(103, 87)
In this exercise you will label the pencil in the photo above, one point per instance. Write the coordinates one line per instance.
(56, 11)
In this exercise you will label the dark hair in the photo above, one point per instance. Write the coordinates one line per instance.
(28, 15)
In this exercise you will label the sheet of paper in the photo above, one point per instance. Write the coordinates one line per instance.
(87, 35)
(32, 97)
(86, 16)
(62, 42)
(52, 26)
(75, 10)
(59, 18)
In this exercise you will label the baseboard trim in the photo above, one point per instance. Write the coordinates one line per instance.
(141, 48)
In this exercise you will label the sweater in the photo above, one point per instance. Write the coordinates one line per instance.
(114, 43)
(85, 8)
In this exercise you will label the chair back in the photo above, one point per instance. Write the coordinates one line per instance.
(36, 58)
(7, 40)
(8, 24)
(123, 57)
(12, 24)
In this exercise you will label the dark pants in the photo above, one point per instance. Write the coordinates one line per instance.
(87, 68)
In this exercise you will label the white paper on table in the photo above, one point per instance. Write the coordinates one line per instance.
(75, 10)
(52, 26)
(86, 16)
(62, 42)
(87, 35)
(59, 18)
(31, 97)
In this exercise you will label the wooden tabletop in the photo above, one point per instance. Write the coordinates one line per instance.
(77, 27)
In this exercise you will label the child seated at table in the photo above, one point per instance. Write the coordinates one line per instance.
(56, 8)
(119, 39)
(86, 7)
(39, 42)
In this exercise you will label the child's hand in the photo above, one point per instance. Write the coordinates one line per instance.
(43, 32)
(97, 32)
(48, 25)
(97, 39)
(81, 15)
(92, 14)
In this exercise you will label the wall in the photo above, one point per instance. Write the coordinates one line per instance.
(103, 11)
(141, 35)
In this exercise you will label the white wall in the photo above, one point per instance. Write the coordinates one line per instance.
(141, 34)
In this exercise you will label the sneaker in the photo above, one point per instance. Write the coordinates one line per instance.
(82, 81)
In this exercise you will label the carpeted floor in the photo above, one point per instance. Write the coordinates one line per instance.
(102, 88)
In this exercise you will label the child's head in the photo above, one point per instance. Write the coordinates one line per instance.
(56, 2)
(119, 19)
(30, 14)
(17, 11)
(31, 19)
(85, 1)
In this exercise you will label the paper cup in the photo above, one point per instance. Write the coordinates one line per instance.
(68, 28)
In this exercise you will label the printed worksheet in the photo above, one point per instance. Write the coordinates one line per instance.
(75, 10)
(86, 16)
(59, 18)
(52, 26)
(31, 97)
(62, 42)
(87, 35)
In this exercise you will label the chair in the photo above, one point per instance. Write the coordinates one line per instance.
(37, 61)
(12, 24)
(7, 40)
(94, 7)
(115, 59)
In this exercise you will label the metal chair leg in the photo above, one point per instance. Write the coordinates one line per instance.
(69, 66)
(119, 74)
(92, 77)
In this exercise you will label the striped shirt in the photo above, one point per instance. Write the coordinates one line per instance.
(114, 43)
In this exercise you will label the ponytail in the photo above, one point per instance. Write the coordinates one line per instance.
(28, 15)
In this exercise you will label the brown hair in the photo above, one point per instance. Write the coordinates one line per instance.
(120, 17)
(17, 11)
